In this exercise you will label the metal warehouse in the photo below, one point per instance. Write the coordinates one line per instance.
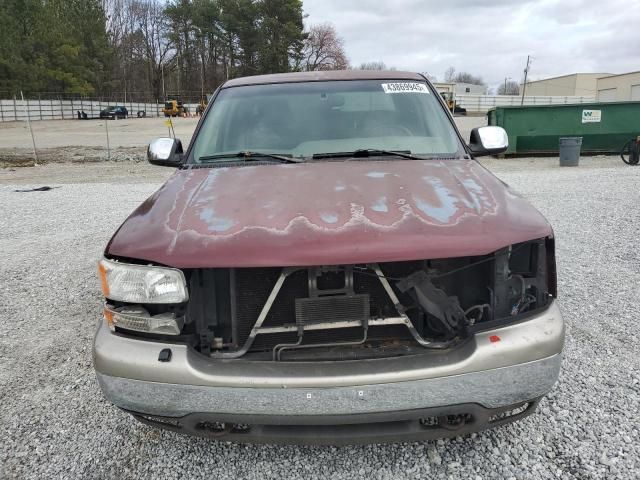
(619, 88)
(576, 84)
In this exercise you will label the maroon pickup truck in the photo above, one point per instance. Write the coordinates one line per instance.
(329, 264)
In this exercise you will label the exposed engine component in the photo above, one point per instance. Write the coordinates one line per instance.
(331, 300)
(521, 294)
(434, 301)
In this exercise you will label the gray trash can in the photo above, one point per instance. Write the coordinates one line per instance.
(570, 151)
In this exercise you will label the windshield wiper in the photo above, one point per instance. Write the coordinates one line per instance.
(366, 152)
(250, 156)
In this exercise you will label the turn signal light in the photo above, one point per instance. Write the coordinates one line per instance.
(136, 318)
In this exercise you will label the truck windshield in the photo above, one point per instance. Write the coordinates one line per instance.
(318, 118)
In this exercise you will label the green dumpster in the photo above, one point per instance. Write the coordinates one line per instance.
(536, 130)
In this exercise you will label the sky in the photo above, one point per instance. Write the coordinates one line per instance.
(490, 38)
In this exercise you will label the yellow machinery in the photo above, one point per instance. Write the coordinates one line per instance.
(450, 100)
(201, 107)
(174, 108)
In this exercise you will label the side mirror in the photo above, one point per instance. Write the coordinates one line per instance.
(166, 152)
(488, 141)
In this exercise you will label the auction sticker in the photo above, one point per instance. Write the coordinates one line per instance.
(405, 87)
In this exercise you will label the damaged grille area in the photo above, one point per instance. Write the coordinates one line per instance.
(345, 308)
(253, 286)
(363, 311)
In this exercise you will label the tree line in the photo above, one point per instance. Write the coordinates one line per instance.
(55, 45)
(152, 49)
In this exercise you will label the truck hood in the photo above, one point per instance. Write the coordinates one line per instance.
(326, 213)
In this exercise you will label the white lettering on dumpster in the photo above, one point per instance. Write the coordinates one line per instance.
(591, 116)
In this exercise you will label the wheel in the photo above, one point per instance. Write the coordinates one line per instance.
(632, 150)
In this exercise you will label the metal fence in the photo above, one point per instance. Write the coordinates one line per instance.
(17, 110)
(59, 109)
(484, 103)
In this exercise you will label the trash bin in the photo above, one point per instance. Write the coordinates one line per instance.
(570, 151)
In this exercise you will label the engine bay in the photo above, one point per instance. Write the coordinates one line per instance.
(358, 311)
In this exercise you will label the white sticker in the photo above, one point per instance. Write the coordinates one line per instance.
(591, 116)
(406, 87)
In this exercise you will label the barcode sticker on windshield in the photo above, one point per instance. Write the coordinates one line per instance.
(407, 87)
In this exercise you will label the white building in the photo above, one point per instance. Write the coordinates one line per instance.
(574, 85)
(444, 87)
(460, 88)
(470, 89)
(619, 88)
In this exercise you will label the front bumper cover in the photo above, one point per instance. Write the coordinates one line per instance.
(414, 425)
(483, 375)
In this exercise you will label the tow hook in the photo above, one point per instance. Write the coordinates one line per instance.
(220, 429)
(215, 429)
(454, 422)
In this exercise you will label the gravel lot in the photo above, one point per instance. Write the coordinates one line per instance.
(85, 140)
(56, 424)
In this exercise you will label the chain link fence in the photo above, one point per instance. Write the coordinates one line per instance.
(53, 106)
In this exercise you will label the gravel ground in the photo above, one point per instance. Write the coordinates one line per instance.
(85, 141)
(55, 423)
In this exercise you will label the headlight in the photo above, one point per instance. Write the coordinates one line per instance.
(135, 317)
(125, 282)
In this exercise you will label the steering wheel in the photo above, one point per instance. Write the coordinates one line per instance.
(385, 130)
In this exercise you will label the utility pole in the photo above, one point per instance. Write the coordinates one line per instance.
(164, 93)
(179, 67)
(124, 75)
(524, 85)
(202, 80)
(28, 115)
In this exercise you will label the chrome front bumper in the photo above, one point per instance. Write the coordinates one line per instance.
(521, 366)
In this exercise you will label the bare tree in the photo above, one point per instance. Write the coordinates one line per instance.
(465, 77)
(431, 78)
(374, 66)
(449, 74)
(509, 88)
(120, 28)
(153, 43)
(324, 49)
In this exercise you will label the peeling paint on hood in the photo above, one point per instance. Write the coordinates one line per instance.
(327, 213)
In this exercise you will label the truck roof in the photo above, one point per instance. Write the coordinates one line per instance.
(323, 76)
